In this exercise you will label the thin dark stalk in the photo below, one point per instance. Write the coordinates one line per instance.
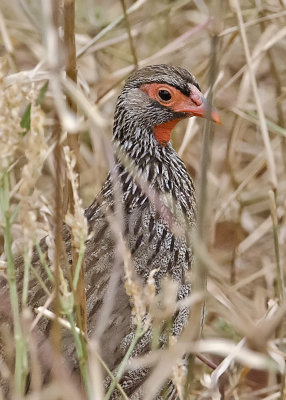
(108, 28)
(132, 47)
(73, 143)
(207, 142)
(199, 270)
(21, 360)
(206, 361)
(275, 225)
(71, 72)
(58, 211)
(43, 262)
(123, 364)
(55, 332)
(280, 290)
(278, 88)
(25, 278)
(111, 87)
(112, 377)
(81, 352)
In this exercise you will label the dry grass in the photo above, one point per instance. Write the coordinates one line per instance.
(237, 49)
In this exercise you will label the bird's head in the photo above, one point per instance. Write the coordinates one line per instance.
(157, 97)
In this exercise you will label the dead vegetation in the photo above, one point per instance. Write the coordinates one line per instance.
(54, 132)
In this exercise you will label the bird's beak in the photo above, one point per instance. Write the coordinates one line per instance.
(197, 105)
(206, 110)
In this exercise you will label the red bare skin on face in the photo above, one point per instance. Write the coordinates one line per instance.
(178, 102)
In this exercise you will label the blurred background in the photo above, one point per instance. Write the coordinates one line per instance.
(238, 47)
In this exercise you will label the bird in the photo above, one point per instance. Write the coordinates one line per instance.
(150, 195)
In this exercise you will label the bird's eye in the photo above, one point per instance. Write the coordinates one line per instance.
(164, 95)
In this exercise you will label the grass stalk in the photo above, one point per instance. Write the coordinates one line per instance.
(73, 143)
(71, 72)
(112, 377)
(21, 362)
(58, 245)
(121, 369)
(78, 265)
(244, 238)
(25, 278)
(39, 279)
(132, 46)
(275, 226)
(263, 125)
(278, 89)
(43, 262)
(81, 352)
(110, 26)
(199, 270)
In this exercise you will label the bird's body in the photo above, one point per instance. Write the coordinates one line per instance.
(151, 241)
(148, 201)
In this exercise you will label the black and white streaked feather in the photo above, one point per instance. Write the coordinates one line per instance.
(153, 243)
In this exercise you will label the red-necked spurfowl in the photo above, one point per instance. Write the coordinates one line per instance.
(150, 195)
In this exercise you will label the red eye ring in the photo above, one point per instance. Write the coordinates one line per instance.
(166, 95)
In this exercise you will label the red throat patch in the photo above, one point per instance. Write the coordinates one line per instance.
(163, 132)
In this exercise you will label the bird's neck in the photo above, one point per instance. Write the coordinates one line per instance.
(137, 140)
(143, 164)
(159, 166)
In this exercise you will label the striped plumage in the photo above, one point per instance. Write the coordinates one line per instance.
(150, 197)
(158, 201)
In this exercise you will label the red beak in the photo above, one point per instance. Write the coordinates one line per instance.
(197, 105)
(206, 110)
